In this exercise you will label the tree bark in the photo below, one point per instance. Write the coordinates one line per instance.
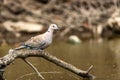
(13, 54)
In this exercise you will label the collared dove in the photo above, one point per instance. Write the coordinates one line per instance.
(41, 41)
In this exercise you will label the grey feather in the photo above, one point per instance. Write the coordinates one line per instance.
(41, 41)
(21, 47)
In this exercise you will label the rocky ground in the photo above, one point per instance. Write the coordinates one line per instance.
(84, 18)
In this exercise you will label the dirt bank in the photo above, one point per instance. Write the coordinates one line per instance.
(84, 18)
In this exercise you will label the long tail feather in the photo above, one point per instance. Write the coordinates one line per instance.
(21, 47)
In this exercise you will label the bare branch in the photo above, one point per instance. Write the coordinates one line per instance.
(9, 58)
(34, 68)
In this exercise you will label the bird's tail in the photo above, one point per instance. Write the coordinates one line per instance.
(21, 47)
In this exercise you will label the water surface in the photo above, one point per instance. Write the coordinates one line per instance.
(104, 56)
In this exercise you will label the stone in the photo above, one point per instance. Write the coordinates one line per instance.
(74, 39)
(22, 26)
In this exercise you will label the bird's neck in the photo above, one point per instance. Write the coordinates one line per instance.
(50, 30)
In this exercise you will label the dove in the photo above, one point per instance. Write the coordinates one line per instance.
(41, 41)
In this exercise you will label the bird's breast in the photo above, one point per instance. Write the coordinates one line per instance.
(48, 37)
(48, 40)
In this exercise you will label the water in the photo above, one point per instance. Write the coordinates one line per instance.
(104, 56)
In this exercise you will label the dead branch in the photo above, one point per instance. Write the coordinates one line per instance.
(12, 55)
(34, 68)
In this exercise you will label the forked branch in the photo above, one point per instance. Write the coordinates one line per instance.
(13, 54)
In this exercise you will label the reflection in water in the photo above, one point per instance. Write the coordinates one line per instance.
(115, 47)
(102, 55)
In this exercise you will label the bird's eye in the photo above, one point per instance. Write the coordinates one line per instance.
(53, 26)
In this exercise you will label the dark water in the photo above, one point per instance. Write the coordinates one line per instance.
(104, 56)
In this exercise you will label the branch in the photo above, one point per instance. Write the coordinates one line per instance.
(9, 58)
(34, 68)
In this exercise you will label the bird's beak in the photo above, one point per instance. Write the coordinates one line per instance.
(57, 28)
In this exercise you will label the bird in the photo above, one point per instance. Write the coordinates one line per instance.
(41, 41)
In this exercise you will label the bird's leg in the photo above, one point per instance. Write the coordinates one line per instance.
(33, 67)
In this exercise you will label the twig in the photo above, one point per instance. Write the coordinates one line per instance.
(34, 68)
(90, 68)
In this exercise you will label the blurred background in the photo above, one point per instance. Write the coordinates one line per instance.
(88, 35)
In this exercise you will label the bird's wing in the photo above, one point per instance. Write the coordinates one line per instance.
(37, 41)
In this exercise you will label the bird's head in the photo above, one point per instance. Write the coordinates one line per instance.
(53, 27)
